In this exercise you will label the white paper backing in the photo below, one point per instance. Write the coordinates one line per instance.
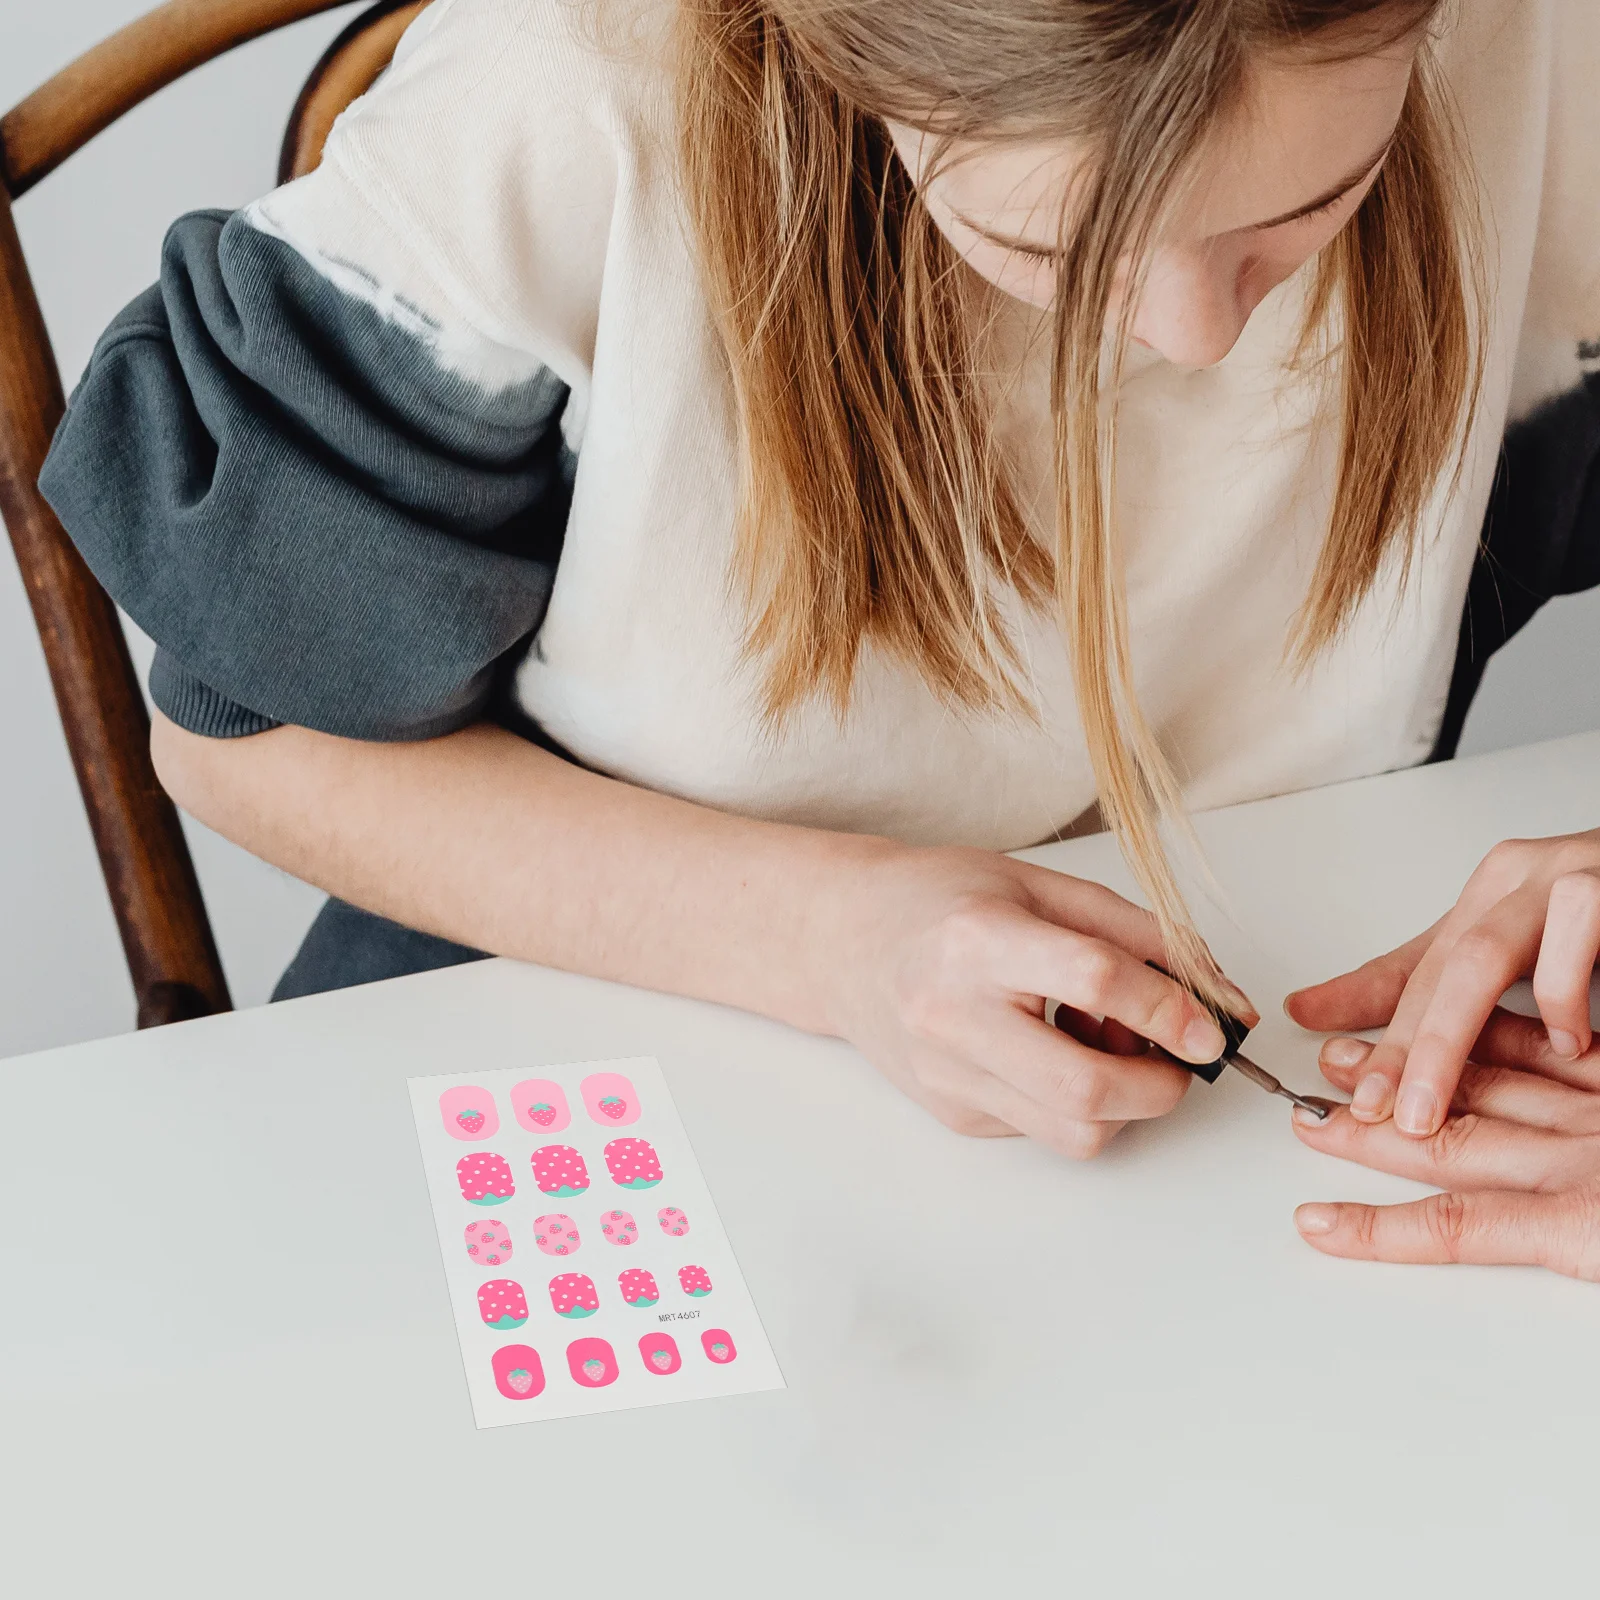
(728, 1306)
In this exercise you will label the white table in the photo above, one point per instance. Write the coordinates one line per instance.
(1007, 1374)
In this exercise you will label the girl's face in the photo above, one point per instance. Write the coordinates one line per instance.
(1278, 182)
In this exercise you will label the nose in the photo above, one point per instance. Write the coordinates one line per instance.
(1194, 306)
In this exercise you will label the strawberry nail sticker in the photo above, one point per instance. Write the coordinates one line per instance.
(695, 1281)
(591, 1363)
(488, 1243)
(558, 1169)
(572, 1294)
(633, 1163)
(608, 1097)
(672, 1221)
(638, 1286)
(718, 1346)
(485, 1178)
(540, 1106)
(502, 1304)
(619, 1227)
(469, 1113)
(555, 1234)
(518, 1372)
(660, 1352)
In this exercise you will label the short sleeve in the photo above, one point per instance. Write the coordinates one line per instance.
(318, 515)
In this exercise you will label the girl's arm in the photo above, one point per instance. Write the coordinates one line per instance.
(935, 963)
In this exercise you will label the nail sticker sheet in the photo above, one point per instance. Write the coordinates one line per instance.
(564, 1304)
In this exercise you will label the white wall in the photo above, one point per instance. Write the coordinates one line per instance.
(92, 233)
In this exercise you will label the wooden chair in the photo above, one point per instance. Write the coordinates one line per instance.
(166, 936)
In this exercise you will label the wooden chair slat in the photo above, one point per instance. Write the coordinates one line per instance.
(349, 67)
(66, 112)
(161, 916)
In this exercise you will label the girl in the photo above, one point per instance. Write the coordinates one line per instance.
(684, 486)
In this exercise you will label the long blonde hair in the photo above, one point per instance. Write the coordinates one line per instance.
(876, 503)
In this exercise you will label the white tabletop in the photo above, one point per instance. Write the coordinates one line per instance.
(1005, 1372)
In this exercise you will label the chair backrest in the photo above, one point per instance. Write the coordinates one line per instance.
(160, 914)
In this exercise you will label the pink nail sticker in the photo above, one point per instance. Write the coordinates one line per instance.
(608, 1097)
(695, 1281)
(488, 1243)
(619, 1227)
(638, 1286)
(540, 1106)
(592, 1363)
(633, 1163)
(518, 1372)
(672, 1221)
(555, 1234)
(718, 1345)
(558, 1169)
(469, 1113)
(660, 1352)
(573, 1295)
(485, 1178)
(502, 1304)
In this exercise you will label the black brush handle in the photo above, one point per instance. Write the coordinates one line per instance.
(1233, 1030)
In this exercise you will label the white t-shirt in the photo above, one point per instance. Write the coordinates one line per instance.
(509, 191)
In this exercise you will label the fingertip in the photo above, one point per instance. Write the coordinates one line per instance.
(1371, 1101)
(1416, 1111)
(1344, 1052)
(1316, 1221)
(1563, 1045)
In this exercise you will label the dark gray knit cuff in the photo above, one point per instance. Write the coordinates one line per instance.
(194, 705)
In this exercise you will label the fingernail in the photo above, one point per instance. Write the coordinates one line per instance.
(1371, 1098)
(1416, 1109)
(1316, 1219)
(1307, 1118)
(1346, 1052)
(1564, 1044)
(1203, 1041)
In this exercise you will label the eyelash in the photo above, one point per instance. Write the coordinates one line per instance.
(1310, 216)
(1322, 211)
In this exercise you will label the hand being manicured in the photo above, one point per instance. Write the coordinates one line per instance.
(1518, 1159)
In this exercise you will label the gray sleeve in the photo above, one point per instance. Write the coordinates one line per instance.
(316, 520)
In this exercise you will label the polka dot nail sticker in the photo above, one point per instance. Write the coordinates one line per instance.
(633, 1163)
(502, 1304)
(488, 1243)
(558, 1169)
(573, 1295)
(540, 1106)
(469, 1113)
(592, 1362)
(609, 1099)
(660, 1352)
(484, 1178)
(673, 1222)
(556, 1235)
(619, 1227)
(638, 1286)
(694, 1281)
(718, 1346)
(518, 1372)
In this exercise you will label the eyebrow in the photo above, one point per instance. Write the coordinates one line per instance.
(1023, 247)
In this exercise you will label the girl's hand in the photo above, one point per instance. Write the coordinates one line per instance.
(1531, 908)
(1519, 1159)
(937, 965)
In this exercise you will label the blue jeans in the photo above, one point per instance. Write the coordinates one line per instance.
(344, 947)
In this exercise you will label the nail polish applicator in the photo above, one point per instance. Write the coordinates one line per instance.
(1235, 1032)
